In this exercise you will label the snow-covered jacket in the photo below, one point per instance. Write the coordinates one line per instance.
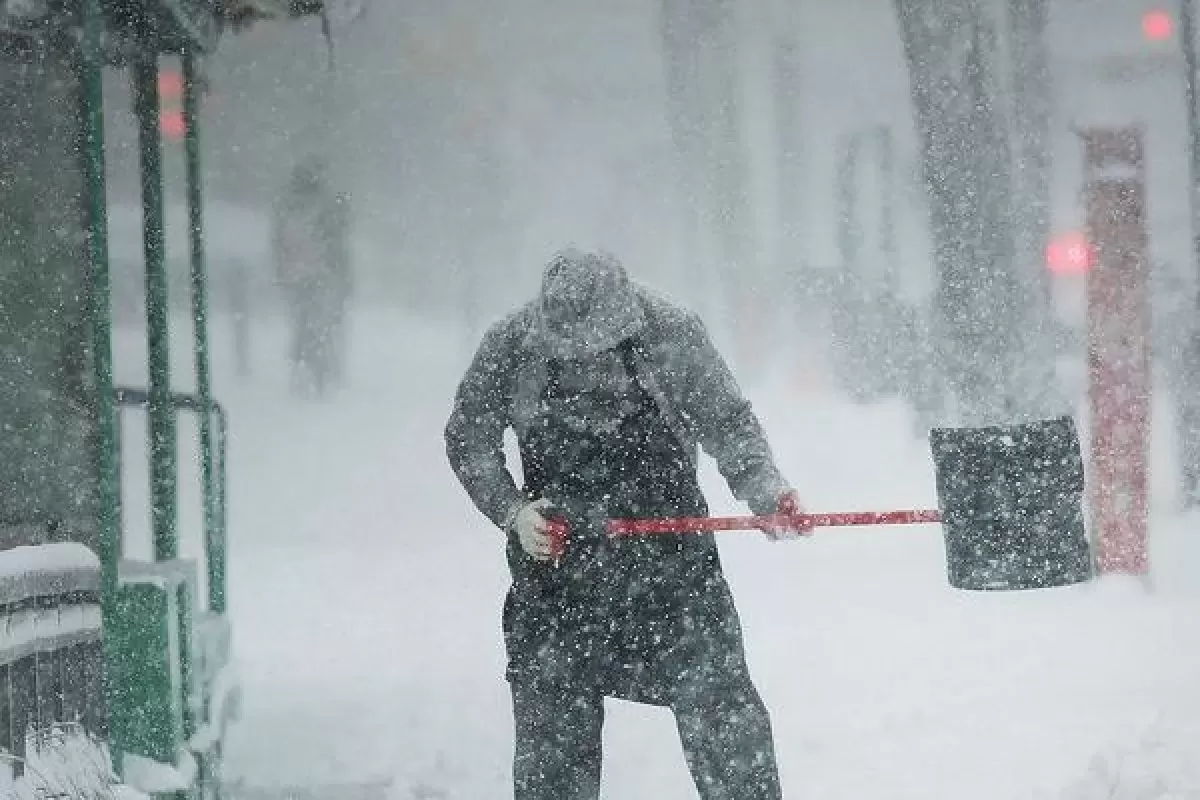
(676, 363)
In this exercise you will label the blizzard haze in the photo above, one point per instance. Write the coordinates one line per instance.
(473, 139)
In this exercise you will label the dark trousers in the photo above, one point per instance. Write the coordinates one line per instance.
(724, 728)
(317, 342)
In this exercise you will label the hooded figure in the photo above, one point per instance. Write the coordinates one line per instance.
(310, 248)
(610, 392)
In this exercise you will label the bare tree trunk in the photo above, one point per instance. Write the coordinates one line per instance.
(786, 74)
(731, 204)
(1031, 121)
(682, 63)
(1031, 207)
(700, 46)
(1187, 381)
(951, 48)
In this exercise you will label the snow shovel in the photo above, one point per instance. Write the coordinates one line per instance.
(1011, 501)
(377, 789)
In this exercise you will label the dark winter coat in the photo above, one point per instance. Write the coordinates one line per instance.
(310, 241)
(662, 604)
(680, 368)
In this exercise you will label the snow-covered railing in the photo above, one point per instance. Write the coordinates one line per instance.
(51, 658)
(170, 647)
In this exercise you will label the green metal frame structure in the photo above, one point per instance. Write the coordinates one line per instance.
(134, 672)
(164, 648)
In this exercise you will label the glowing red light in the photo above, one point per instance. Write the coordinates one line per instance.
(1157, 25)
(172, 124)
(170, 84)
(1069, 254)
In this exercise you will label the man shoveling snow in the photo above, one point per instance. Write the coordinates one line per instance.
(610, 391)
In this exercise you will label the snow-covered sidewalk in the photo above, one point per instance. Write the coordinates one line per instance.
(366, 595)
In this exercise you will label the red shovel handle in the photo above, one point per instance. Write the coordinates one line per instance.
(558, 529)
(641, 527)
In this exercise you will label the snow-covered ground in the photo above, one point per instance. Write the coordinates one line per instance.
(366, 596)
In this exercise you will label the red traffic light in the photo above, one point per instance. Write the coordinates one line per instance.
(172, 124)
(1069, 254)
(170, 117)
(1157, 25)
(170, 85)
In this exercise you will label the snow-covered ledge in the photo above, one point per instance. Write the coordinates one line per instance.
(47, 569)
(155, 778)
(224, 708)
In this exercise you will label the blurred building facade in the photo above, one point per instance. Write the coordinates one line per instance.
(473, 138)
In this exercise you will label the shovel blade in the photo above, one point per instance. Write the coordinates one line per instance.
(1012, 505)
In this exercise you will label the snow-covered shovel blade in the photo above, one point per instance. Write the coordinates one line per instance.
(1012, 505)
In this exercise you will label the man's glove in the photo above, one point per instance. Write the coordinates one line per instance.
(788, 504)
(533, 530)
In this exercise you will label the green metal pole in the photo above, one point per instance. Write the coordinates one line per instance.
(163, 436)
(214, 541)
(163, 453)
(107, 461)
(222, 451)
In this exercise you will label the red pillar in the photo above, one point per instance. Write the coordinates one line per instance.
(1118, 346)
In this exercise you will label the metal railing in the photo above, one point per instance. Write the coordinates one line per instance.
(216, 517)
(51, 648)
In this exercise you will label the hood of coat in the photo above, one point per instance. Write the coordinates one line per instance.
(586, 305)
